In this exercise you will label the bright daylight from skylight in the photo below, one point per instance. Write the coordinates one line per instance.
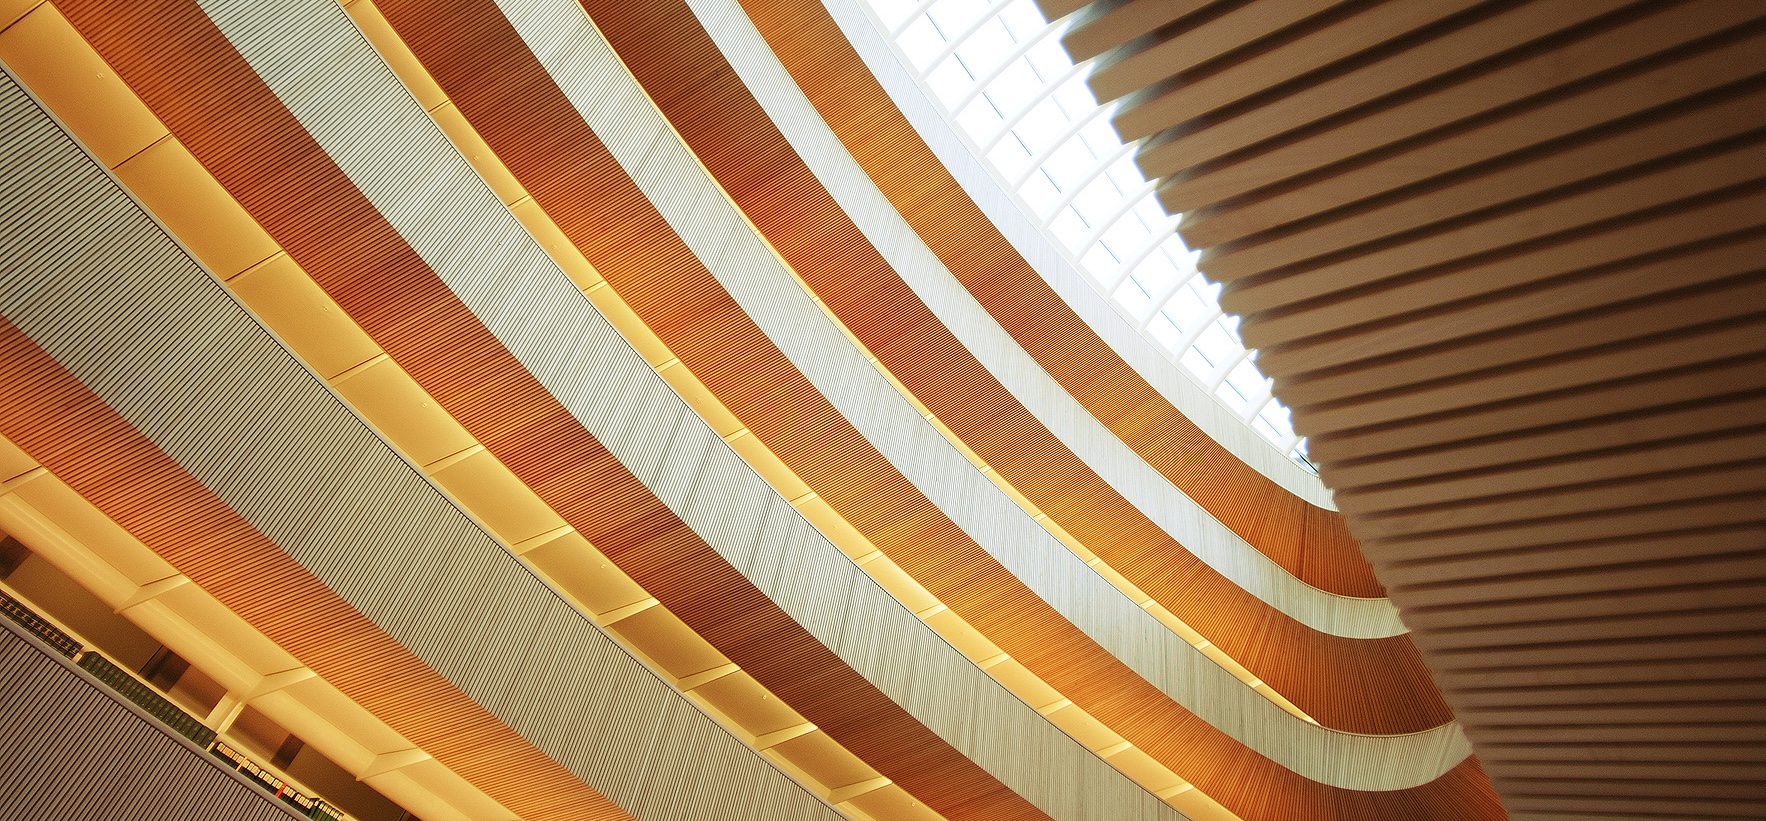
(1000, 73)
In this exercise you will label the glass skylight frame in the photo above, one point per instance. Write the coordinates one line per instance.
(1205, 344)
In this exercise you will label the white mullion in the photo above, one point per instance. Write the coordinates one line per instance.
(1068, 196)
(1215, 381)
(1140, 258)
(919, 11)
(1047, 92)
(1017, 54)
(1190, 337)
(1128, 204)
(951, 44)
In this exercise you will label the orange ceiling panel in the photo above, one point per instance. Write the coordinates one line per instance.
(77, 437)
(558, 160)
(217, 107)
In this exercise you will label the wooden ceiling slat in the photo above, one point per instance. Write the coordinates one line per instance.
(1442, 53)
(1107, 27)
(1654, 136)
(1143, 62)
(1545, 421)
(1343, 38)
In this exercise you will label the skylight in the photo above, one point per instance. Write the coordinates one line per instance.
(998, 71)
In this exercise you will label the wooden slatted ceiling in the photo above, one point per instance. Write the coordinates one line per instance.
(490, 78)
(1506, 271)
(217, 107)
(74, 434)
(1367, 686)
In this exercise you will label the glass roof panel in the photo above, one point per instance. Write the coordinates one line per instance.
(1135, 298)
(921, 42)
(980, 115)
(1023, 20)
(1156, 274)
(949, 80)
(999, 71)
(955, 17)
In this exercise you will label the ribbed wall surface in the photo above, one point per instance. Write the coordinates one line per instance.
(1505, 268)
(70, 748)
(801, 597)
(551, 155)
(471, 637)
(1360, 686)
(523, 422)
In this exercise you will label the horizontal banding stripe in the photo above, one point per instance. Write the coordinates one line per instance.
(1310, 542)
(564, 194)
(75, 434)
(1360, 686)
(1004, 359)
(517, 420)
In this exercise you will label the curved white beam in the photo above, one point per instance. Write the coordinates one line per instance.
(1022, 231)
(309, 52)
(97, 283)
(690, 199)
(1126, 472)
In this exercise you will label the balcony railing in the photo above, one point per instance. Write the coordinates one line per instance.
(302, 803)
(39, 627)
(155, 704)
(161, 708)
